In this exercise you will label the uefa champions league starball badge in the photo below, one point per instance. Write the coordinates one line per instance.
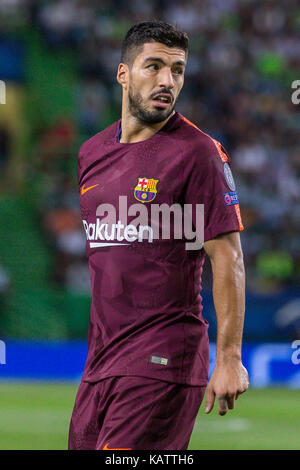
(229, 177)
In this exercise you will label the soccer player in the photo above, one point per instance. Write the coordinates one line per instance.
(147, 367)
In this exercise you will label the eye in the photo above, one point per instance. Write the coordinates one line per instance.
(178, 71)
(153, 66)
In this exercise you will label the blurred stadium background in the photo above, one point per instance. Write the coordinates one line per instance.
(58, 60)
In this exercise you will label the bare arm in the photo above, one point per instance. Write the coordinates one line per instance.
(230, 377)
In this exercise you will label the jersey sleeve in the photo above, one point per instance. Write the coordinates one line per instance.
(210, 182)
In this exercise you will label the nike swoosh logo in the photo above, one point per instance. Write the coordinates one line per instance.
(111, 448)
(84, 190)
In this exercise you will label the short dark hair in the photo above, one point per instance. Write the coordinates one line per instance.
(151, 31)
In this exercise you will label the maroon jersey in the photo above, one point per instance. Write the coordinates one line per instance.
(146, 312)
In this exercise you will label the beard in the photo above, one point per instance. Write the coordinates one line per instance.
(139, 111)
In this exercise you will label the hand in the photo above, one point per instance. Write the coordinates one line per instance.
(228, 381)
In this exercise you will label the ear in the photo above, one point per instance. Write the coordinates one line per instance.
(123, 75)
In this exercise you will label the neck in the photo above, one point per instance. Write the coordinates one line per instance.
(134, 130)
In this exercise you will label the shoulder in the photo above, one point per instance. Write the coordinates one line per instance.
(199, 142)
(199, 148)
(101, 137)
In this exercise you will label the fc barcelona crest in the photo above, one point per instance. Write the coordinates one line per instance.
(145, 190)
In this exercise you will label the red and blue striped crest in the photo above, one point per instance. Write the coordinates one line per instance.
(145, 190)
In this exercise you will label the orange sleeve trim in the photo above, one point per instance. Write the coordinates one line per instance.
(239, 217)
(191, 124)
(222, 154)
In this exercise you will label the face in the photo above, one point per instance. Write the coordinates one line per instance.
(153, 83)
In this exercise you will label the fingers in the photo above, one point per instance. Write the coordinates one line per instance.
(230, 401)
(210, 400)
(229, 398)
(226, 401)
(223, 406)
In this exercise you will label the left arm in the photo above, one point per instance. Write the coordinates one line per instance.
(230, 378)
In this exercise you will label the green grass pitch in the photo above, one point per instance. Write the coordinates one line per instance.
(36, 416)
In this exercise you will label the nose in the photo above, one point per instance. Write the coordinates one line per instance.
(166, 78)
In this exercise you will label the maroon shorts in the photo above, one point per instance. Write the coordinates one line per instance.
(134, 413)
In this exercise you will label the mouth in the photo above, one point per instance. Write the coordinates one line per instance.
(162, 100)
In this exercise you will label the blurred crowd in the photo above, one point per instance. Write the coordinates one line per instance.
(244, 56)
